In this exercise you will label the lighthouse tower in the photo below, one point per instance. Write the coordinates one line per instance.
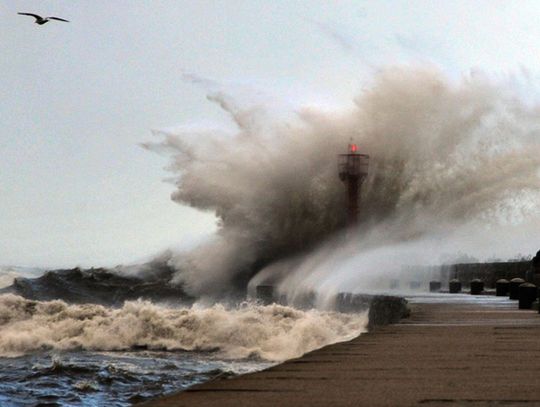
(353, 170)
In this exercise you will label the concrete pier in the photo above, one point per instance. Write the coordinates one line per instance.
(471, 352)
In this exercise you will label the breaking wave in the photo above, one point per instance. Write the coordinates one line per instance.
(446, 158)
(271, 332)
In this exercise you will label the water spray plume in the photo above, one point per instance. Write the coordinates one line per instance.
(448, 160)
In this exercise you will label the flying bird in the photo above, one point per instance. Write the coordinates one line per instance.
(42, 20)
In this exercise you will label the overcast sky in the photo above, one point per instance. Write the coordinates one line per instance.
(77, 98)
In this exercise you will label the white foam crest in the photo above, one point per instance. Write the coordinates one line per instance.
(271, 332)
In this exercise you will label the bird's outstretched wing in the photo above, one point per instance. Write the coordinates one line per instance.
(32, 15)
(58, 18)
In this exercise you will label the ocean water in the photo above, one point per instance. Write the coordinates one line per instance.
(60, 353)
(87, 378)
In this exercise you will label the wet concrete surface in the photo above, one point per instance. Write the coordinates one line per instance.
(452, 350)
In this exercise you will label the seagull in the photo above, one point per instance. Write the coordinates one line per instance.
(42, 20)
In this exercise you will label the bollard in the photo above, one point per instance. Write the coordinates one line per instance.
(434, 286)
(538, 296)
(265, 294)
(415, 285)
(513, 288)
(501, 287)
(304, 300)
(477, 286)
(348, 302)
(527, 295)
(361, 302)
(343, 302)
(454, 286)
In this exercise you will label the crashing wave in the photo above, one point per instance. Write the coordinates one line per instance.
(444, 155)
(273, 332)
(149, 281)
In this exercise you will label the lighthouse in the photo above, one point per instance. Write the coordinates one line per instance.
(353, 170)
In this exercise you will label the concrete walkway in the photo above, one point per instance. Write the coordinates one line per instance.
(471, 352)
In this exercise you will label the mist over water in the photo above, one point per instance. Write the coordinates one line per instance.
(455, 166)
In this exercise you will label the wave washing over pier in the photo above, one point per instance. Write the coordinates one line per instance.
(448, 162)
(86, 354)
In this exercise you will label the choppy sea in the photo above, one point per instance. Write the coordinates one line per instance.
(61, 353)
(85, 378)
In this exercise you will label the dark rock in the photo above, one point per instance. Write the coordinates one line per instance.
(383, 309)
